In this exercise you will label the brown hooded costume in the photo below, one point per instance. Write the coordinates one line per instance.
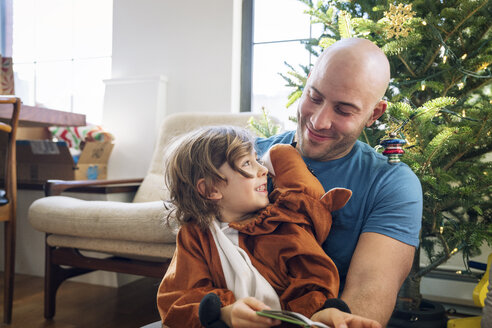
(283, 242)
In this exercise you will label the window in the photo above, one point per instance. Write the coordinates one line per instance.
(61, 52)
(279, 26)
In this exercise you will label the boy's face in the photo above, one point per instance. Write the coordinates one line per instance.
(240, 196)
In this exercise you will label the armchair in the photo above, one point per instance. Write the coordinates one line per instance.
(133, 235)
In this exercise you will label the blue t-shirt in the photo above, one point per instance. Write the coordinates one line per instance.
(386, 198)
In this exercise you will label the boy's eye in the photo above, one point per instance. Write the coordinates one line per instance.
(247, 163)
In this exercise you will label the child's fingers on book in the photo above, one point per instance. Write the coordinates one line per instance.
(244, 315)
(259, 322)
(255, 304)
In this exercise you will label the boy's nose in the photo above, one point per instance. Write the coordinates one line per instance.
(262, 170)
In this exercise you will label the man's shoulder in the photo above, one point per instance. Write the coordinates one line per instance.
(263, 144)
(370, 171)
(379, 163)
(370, 155)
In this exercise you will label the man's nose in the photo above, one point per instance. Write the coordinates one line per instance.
(322, 119)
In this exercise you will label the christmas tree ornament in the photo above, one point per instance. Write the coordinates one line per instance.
(397, 16)
(393, 148)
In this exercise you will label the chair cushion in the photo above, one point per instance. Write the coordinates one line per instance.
(140, 222)
(156, 252)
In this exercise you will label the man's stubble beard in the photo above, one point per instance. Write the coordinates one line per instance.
(334, 150)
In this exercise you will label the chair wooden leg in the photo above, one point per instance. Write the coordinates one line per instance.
(9, 275)
(54, 276)
(50, 285)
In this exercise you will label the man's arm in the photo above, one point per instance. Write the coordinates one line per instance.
(378, 268)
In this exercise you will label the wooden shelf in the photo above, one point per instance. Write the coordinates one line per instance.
(31, 116)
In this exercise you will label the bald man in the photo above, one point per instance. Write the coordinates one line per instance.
(373, 238)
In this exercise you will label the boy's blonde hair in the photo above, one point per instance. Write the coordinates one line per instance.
(199, 154)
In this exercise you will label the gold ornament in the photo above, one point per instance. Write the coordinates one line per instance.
(397, 17)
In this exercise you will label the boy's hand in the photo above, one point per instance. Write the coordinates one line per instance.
(242, 313)
(338, 319)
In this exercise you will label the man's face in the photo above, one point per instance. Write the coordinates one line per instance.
(336, 105)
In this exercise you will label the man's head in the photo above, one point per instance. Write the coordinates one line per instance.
(343, 95)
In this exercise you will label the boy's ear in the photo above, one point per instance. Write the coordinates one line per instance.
(213, 193)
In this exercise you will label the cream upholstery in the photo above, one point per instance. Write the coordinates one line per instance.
(126, 229)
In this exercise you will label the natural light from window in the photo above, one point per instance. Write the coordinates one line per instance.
(278, 27)
(61, 50)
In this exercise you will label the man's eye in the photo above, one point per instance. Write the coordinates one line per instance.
(315, 99)
(342, 112)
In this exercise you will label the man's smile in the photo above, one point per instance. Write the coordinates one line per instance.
(317, 137)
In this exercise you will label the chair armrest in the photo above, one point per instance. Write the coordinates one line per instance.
(56, 187)
(109, 220)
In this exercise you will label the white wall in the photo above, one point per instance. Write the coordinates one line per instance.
(187, 44)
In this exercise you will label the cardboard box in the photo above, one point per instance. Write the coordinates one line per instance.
(40, 160)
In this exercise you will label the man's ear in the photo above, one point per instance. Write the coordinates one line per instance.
(378, 110)
(209, 193)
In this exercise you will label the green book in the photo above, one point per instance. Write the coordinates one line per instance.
(291, 317)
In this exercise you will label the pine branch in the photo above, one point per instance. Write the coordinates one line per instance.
(437, 145)
(477, 87)
(293, 97)
(446, 256)
(451, 84)
(470, 145)
(344, 25)
(263, 127)
(436, 53)
(407, 66)
(464, 20)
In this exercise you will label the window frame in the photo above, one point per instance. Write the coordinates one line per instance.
(247, 54)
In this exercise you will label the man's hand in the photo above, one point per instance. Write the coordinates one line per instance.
(338, 319)
(242, 313)
(378, 268)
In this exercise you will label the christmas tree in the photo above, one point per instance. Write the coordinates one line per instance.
(439, 102)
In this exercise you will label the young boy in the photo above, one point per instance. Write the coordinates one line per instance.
(237, 252)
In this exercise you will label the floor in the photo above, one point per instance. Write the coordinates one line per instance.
(91, 306)
(83, 305)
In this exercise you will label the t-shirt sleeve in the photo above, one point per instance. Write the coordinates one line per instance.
(263, 144)
(397, 210)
